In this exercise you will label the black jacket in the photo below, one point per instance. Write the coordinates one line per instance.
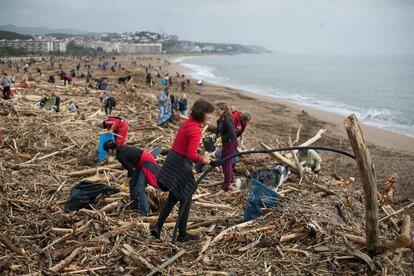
(129, 158)
(226, 129)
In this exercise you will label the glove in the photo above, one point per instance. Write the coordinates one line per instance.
(215, 163)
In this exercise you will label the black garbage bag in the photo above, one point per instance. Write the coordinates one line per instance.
(84, 194)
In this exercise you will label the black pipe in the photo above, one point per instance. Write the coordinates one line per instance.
(174, 238)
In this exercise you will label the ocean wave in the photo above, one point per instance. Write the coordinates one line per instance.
(379, 117)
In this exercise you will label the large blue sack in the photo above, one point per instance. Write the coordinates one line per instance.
(102, 154)
(260, 196)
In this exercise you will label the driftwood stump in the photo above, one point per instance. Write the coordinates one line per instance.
(367, 172)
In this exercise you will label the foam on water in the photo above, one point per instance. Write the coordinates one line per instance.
(386, 118)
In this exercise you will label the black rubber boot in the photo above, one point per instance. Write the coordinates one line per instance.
(155, 232)
(187, 237)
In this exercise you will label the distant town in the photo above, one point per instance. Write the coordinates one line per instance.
(143, 42)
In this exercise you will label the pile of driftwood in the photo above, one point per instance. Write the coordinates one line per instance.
(318, 228)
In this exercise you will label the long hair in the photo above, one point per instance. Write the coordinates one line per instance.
(225, 108)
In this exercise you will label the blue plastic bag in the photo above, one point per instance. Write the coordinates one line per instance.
(260, 196)
(164, 82)
(102, 154)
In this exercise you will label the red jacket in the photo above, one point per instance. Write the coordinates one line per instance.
(120, 128)
(148, 165)
(238, 124)
(187, 140)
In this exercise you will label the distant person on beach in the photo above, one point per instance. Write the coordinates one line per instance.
(88, 76)
(310, 159)
(26, 68)
(240, 122)
(51, 79)
(165, 107)
(148, 80)
(108, 103)
(227, 132)
(142, 169)
(182, 105)
(67, 77)
(6, 84)
(176, 175)
(200, 82)
(117, 125)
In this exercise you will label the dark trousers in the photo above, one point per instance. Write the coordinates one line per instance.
(6, 92)
(229, 148)
(65, 79)
(167, 208)
(139, 199)
(108, 109)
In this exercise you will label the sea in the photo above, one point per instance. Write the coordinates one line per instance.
(378, 89)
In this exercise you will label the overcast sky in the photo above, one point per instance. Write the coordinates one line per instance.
(287, 26)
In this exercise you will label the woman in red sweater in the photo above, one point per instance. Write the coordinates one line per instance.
(176, 176)
(117, 125)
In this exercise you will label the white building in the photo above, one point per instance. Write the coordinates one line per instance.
(36, 45)
(144, 49)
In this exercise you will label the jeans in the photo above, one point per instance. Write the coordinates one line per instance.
(165, 115)
(137, 192)
(166, 210)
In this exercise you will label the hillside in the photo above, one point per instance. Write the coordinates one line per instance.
(12, 35)
(39, 30)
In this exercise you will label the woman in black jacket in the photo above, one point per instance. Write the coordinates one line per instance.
(227, 132)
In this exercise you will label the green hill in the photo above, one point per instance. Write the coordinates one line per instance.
(12, 35)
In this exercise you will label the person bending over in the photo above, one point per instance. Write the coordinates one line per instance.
(116, 125)
(142, 169)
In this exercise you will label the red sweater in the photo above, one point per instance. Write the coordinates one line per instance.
(150, 176)
(120, 128)
(187, 140)
(238, 124)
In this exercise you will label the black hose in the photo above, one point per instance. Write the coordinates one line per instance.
(174, 238)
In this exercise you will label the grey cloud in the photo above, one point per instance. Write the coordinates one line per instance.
(299, 26)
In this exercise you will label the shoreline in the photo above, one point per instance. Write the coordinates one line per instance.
(374, 135)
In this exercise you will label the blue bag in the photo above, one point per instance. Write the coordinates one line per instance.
(260, 196)
(102, 154)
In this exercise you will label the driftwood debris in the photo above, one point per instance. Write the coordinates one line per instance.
(38, 170)
(367, 172)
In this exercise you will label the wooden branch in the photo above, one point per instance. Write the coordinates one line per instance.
(297, 135)
(397, 212)
(324, 189)
(404, 239)
(135, 257)
(283, 159)
(110, 206)
(9, 244)
(211, 205)
(56, 152)
(95, 170)
(315, 138)
(223, 233)
(294, 250)
(167, 262)
(357, 239)
(58, 267)
(309, 142)
(367, 172)
(293, 236)
(295, 158)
